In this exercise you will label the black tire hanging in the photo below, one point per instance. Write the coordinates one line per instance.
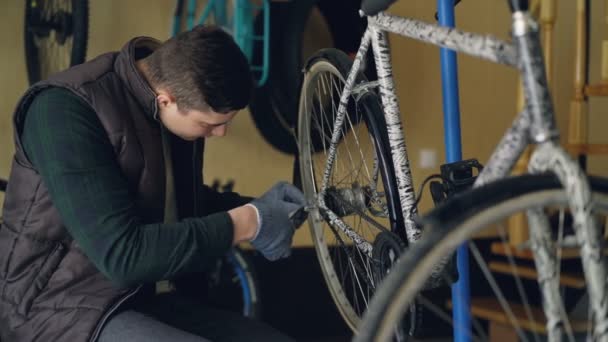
(47, 23)
(264, 109)
(274, 106)
(345, 26)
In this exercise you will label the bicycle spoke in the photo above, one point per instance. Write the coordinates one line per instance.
(351, 188)
(364, 268)
(493, 284)
(356, 276)
(447, 318)
(519, 285)
(590, 324)
(357, 143)
(343, 129)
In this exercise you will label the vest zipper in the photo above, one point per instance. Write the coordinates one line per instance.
(195, 186)
(110, 311)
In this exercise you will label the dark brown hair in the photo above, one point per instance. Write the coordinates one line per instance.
(202, 68)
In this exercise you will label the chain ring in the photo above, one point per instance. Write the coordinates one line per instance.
(387, 248)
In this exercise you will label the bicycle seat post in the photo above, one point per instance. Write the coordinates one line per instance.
(526, 38)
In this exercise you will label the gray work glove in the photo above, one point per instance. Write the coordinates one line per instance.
(275, 231)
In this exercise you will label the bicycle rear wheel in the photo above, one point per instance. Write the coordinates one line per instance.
(56, 33)
(512, 300)
(361, 191)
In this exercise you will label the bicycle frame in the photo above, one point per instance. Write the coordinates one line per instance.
(375, 36)
(535, 124)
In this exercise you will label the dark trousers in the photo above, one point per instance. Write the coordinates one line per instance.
(174, 318)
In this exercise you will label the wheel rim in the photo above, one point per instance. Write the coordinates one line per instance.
(348, 272)
(528, 328)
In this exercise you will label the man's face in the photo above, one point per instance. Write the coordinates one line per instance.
(192, 124)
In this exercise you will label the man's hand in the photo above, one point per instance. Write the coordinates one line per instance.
(275, 233)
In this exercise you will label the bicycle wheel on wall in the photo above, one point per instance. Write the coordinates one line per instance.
(55, 34)
(361, 188)
(503, 289)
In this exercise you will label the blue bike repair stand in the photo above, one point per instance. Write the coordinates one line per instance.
(451, 124)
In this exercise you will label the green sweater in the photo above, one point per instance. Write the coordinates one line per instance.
(67, 144)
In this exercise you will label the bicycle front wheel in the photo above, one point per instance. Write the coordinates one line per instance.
(360, 193)
(502, 289)
(56, 33)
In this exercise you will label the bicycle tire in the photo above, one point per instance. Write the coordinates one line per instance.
(73, 27)
(264, 107)
(232, 284)
(291, 59)
(345, 27)
(339, 64)
(451, 224)
(248, 280)
(274, 105)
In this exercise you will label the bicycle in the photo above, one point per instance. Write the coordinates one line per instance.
(364, 203)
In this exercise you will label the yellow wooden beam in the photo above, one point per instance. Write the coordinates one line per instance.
(566, 279)
(489, 308)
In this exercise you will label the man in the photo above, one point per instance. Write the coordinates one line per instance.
(105, 196)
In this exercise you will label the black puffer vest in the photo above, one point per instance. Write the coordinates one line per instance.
(49, 290)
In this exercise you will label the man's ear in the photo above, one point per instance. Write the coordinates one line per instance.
(164, 99)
